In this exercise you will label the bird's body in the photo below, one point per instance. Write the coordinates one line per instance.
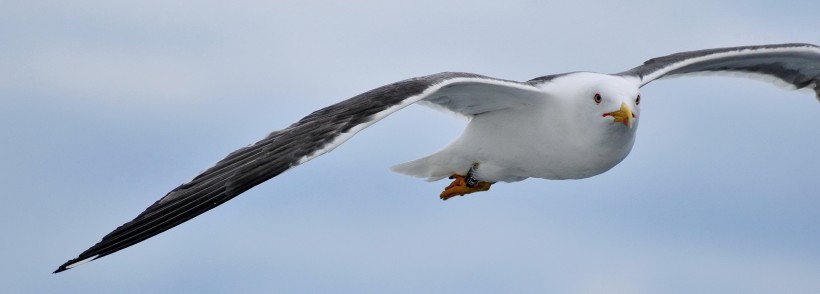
(559, 133)
(565, 126)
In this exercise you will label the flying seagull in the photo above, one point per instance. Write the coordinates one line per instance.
(563, 126)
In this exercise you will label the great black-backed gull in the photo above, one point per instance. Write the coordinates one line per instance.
(565, 126)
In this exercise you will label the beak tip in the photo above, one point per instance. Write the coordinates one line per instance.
(623, 115)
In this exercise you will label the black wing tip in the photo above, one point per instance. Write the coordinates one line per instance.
(66, 266)
(75, 262)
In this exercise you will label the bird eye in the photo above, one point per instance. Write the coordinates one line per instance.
(638, 99)
(597, 98)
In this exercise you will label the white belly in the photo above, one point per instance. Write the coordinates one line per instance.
(513, 145)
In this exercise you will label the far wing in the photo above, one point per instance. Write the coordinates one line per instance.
(797, 65)
(313, 135)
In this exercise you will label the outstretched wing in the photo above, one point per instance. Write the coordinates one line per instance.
(797, 65)
(313, 135)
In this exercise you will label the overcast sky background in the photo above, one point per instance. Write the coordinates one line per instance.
(106, 106)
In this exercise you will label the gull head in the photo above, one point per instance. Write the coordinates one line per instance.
(601, 102)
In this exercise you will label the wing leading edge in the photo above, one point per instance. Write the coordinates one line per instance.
(798, 65)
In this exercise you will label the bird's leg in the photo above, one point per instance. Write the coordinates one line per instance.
(464, 185)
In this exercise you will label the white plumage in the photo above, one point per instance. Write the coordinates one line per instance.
(555, 130)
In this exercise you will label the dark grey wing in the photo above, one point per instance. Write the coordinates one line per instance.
(797, 65)
(313, 135)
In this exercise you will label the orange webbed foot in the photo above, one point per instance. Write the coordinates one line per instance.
(459, 187)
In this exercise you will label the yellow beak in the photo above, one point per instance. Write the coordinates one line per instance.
(623, 115)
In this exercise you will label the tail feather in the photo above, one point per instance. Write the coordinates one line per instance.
(433, 168)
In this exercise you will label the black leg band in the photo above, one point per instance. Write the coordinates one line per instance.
(470, 179)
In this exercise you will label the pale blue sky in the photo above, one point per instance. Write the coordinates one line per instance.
(107, 106)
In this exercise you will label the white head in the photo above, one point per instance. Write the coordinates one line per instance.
(601, 112)
(612, 100)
